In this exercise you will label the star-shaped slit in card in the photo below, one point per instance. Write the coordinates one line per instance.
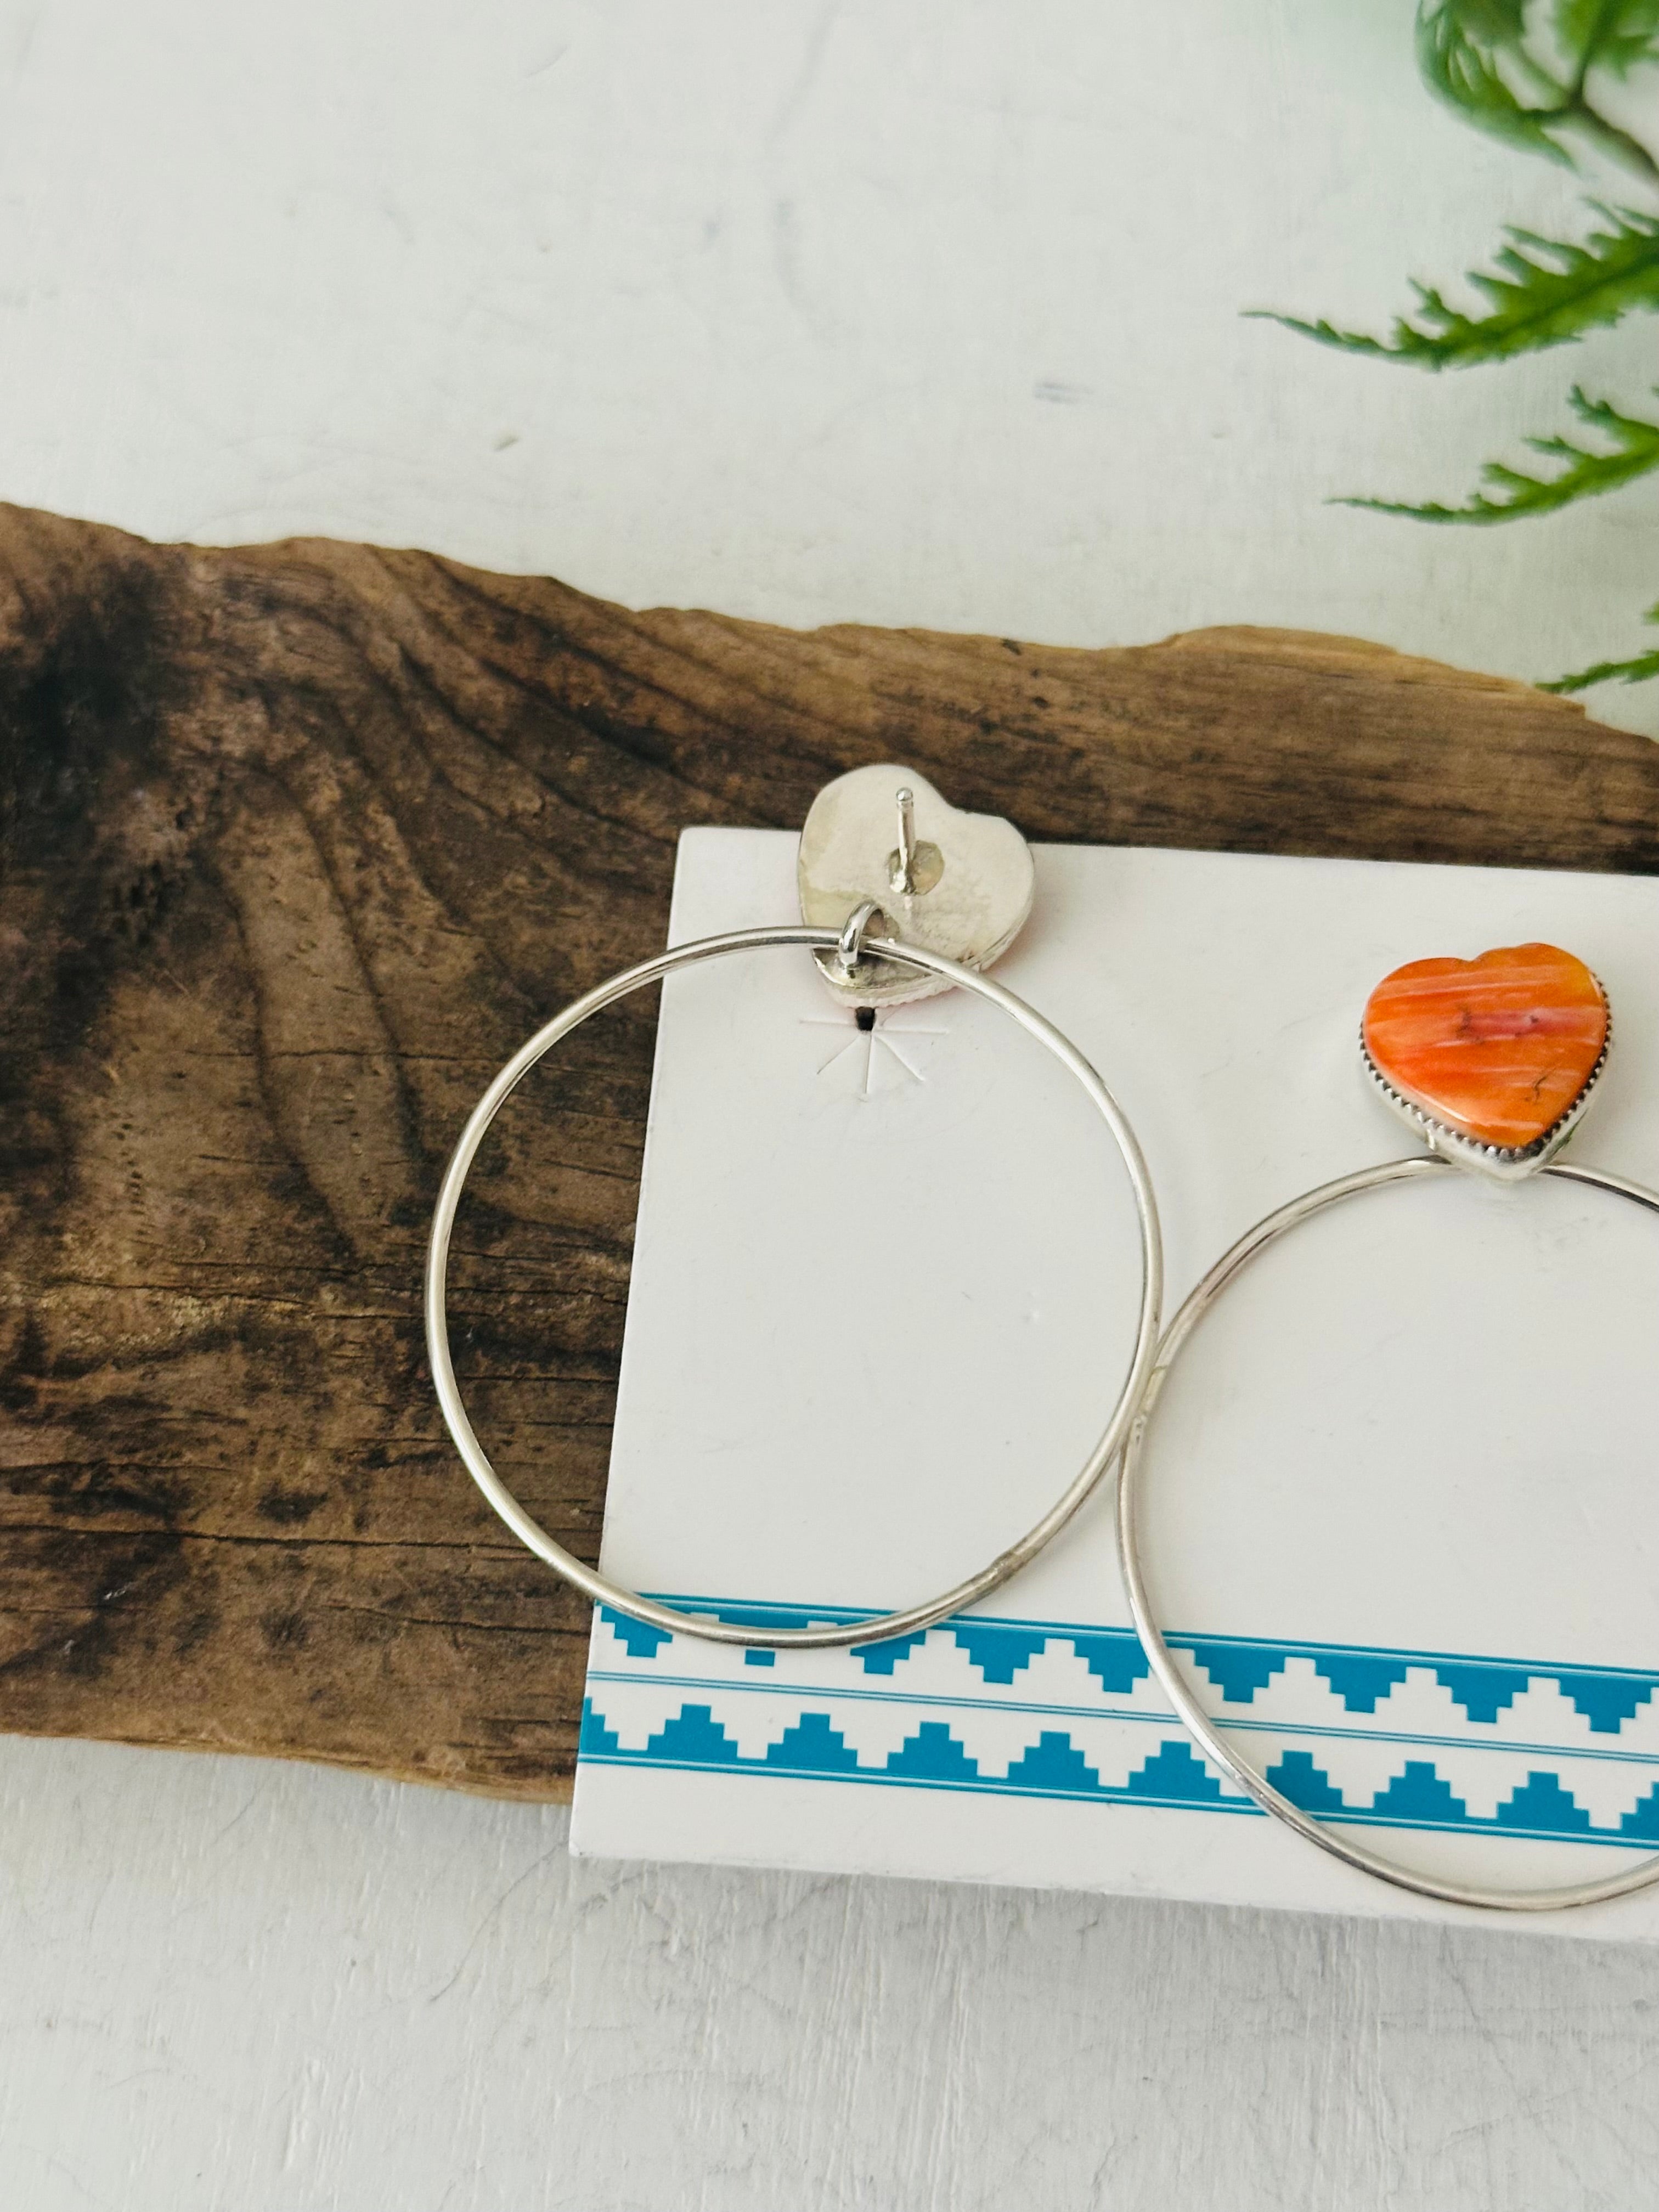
(876, 1052)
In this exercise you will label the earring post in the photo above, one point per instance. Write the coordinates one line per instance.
(904, 875)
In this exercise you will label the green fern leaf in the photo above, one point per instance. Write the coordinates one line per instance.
(1489, 22)
(1641, 670)
(1616, 35)
(1461, 46)
(1482, 59)
(1545, 292)
(1633, 451)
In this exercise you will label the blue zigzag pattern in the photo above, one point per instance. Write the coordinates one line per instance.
(1239, 1666)
(933, 1757)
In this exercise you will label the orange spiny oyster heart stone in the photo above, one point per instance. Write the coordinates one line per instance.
(1498, 1048)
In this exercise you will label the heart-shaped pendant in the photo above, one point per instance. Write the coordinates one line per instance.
(955, 884)
(1492, 1059)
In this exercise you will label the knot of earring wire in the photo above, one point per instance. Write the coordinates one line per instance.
(849, 953)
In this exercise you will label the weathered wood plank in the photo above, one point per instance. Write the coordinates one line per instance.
(298, 843)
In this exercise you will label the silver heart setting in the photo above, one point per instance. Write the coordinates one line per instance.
(955, 884)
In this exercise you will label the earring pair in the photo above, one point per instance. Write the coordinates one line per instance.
(1492, 1063)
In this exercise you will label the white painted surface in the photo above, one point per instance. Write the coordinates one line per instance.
(229, 1983)
(921, 314)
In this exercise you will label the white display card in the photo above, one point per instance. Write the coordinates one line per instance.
(1404, 1489)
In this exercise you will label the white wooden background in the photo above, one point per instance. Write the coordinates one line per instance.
(922, 314)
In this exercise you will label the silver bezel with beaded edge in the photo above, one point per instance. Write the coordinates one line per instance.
(1502, 1164)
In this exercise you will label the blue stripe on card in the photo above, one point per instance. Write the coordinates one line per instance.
(821, 1738)
(1239, 1666)
(933, 1756)
(1153, 1717)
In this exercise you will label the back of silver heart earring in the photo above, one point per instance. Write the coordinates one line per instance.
(953, 883)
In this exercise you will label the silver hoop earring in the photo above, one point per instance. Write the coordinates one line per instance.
(901, 896)
(1493, 1062)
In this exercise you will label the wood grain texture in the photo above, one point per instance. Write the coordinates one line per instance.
(298, 842)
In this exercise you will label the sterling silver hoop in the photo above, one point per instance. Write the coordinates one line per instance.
(1130, 1492)
(850, 945)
